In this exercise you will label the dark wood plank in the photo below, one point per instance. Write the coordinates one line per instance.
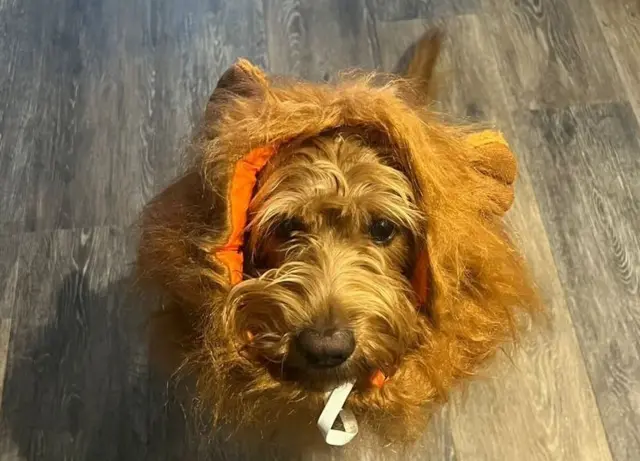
(316, 40)
(8, 274)
(513, 411)
(551, 53)
(108, 91)
(584, 166)
(76, 374)
(8, 280)
(5, 334)
(17, 114)
(620, 23)
(397, 10)
(47, 146)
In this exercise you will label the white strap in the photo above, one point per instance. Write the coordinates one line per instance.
(331, 411)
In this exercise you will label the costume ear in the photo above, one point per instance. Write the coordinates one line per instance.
(496, 166)
(241, 80)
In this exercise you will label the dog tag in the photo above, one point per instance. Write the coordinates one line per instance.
(332, 411)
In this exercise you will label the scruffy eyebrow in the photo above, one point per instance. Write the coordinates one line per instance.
(365, 190)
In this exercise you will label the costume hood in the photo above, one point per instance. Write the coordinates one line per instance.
(260, 116)
(249, 116)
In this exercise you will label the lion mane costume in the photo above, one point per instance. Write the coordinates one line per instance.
(470, 281)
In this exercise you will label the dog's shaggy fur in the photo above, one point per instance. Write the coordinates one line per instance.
(349, 155)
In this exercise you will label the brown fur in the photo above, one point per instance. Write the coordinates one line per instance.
(347, 152)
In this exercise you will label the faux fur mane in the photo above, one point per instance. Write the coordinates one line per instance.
(479, 282)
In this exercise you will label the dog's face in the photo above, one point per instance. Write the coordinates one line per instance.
(332, 242)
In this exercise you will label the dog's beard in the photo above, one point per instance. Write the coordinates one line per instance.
(324, 283)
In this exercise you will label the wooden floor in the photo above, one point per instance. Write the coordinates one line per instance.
(96, 97)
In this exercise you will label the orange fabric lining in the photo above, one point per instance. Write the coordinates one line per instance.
(378, 378)
(240, 191)
(420, 279)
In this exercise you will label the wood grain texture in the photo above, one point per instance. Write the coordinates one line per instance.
(551, 53)
(620, 23)
(20, 60)
(398, 10)
(46, 147)
(584, 165)
(8, 274)
(316, 40)
(527, 409)
(76, 377)
(108, 91)
(8, 281)
(5, 334)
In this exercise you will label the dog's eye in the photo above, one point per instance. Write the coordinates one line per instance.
(382, 231)
(288, 227)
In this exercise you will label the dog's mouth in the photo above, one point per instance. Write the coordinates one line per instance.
(288, 364)
(315, 379)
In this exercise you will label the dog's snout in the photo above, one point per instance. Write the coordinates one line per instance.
(325, 349)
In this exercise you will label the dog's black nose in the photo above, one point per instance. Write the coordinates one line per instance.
(326, 349)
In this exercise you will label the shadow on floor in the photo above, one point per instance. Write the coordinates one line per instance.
(81, 388)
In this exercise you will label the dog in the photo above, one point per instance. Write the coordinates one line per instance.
(335, 232)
